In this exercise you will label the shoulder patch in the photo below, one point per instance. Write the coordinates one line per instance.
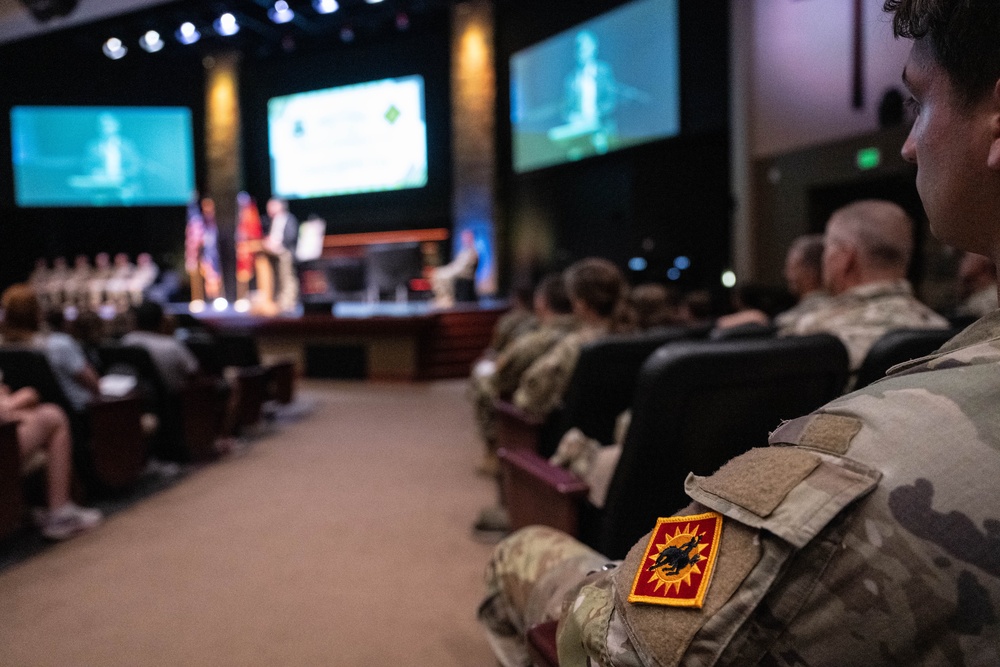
(676, 568)
(825, 432)
(760, 479)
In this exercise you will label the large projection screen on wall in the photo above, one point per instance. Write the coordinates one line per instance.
(102, 156)
(366, 137)
(609, 83)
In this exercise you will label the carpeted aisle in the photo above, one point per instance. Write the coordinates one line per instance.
(341, 539)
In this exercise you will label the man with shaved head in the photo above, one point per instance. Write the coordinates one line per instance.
(868, 532)
(866, 251)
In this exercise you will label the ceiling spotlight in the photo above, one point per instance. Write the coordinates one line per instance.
(114, 49)
(151, 42)
(187, 33)
(326, 6)
(373, 2)
(347, 34)
(226, 25)
(280, 13)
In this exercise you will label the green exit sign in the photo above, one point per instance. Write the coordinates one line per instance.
(868, 158)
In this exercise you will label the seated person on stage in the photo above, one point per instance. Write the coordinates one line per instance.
(145, 274)
(597, 290)
(554, 314)
(463, 267)
(977, 285)
(279, 243)
(22, 325)
(173, 359)
(867, 534)
(43, 427)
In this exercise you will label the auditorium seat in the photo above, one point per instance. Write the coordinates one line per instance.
(696, 405)
(11, 499)
(187, 425)
(599, 390)
(108, 448)
(896, 347)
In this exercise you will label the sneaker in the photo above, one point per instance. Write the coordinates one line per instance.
(70, 520)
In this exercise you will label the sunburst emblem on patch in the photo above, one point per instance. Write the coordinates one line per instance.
(678, 562)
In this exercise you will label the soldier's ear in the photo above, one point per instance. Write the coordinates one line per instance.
(993, 159)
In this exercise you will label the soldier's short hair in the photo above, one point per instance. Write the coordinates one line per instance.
(963, 34)
(810, 249)
(553, 290)
(882, 230)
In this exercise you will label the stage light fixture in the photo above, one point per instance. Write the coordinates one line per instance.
(197, 306)
(347, 34)
(220, 304)
(114, 49)
(226, 25)
(280, 13)
(242, 306)
(326, 6)
(187, 33)
(151, 42)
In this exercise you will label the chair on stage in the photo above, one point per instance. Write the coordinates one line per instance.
(599, 390)
(108, 445)
(696, 405)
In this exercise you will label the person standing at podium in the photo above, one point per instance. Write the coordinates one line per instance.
(282, 234)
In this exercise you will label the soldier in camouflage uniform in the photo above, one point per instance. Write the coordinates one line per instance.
(866, 252)
(804, 276)
(597, 290)
(868, 533)
(552, 308)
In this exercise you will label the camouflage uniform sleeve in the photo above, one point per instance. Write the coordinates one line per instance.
(516, 359)
(544, 383)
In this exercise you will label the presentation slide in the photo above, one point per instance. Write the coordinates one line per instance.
(367, 137)
(607, 84)
(102, 156)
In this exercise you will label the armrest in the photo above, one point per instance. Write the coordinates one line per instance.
(202, 413)
(516, 429)
(537, 492)
(11, 500)
(281, 381)
(250, 393)
(542, 644)
(116, 440)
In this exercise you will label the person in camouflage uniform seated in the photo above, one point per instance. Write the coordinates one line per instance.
(866, 251)
(597, 290)
(868, 533)
(553, 311)
(804, 275)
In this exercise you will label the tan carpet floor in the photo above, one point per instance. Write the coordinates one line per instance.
(339, 539)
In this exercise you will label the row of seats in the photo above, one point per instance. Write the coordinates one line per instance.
(696, 403)
(112, 441)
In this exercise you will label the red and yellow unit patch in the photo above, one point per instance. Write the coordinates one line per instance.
(680, 557)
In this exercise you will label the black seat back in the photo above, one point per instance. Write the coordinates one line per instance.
(896, 347)
(697, 405)
(604, 380)
(28, 367)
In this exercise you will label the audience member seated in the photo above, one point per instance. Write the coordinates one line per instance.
(803, 273)
(597, 291)
(519, 320)
(866, 252)
(977, 284)
(43, 427)
(22, 325)
(173, 359)
(652, 305)
(867, 533)
(553, 313)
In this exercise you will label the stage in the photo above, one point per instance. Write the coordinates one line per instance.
(360, 340)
